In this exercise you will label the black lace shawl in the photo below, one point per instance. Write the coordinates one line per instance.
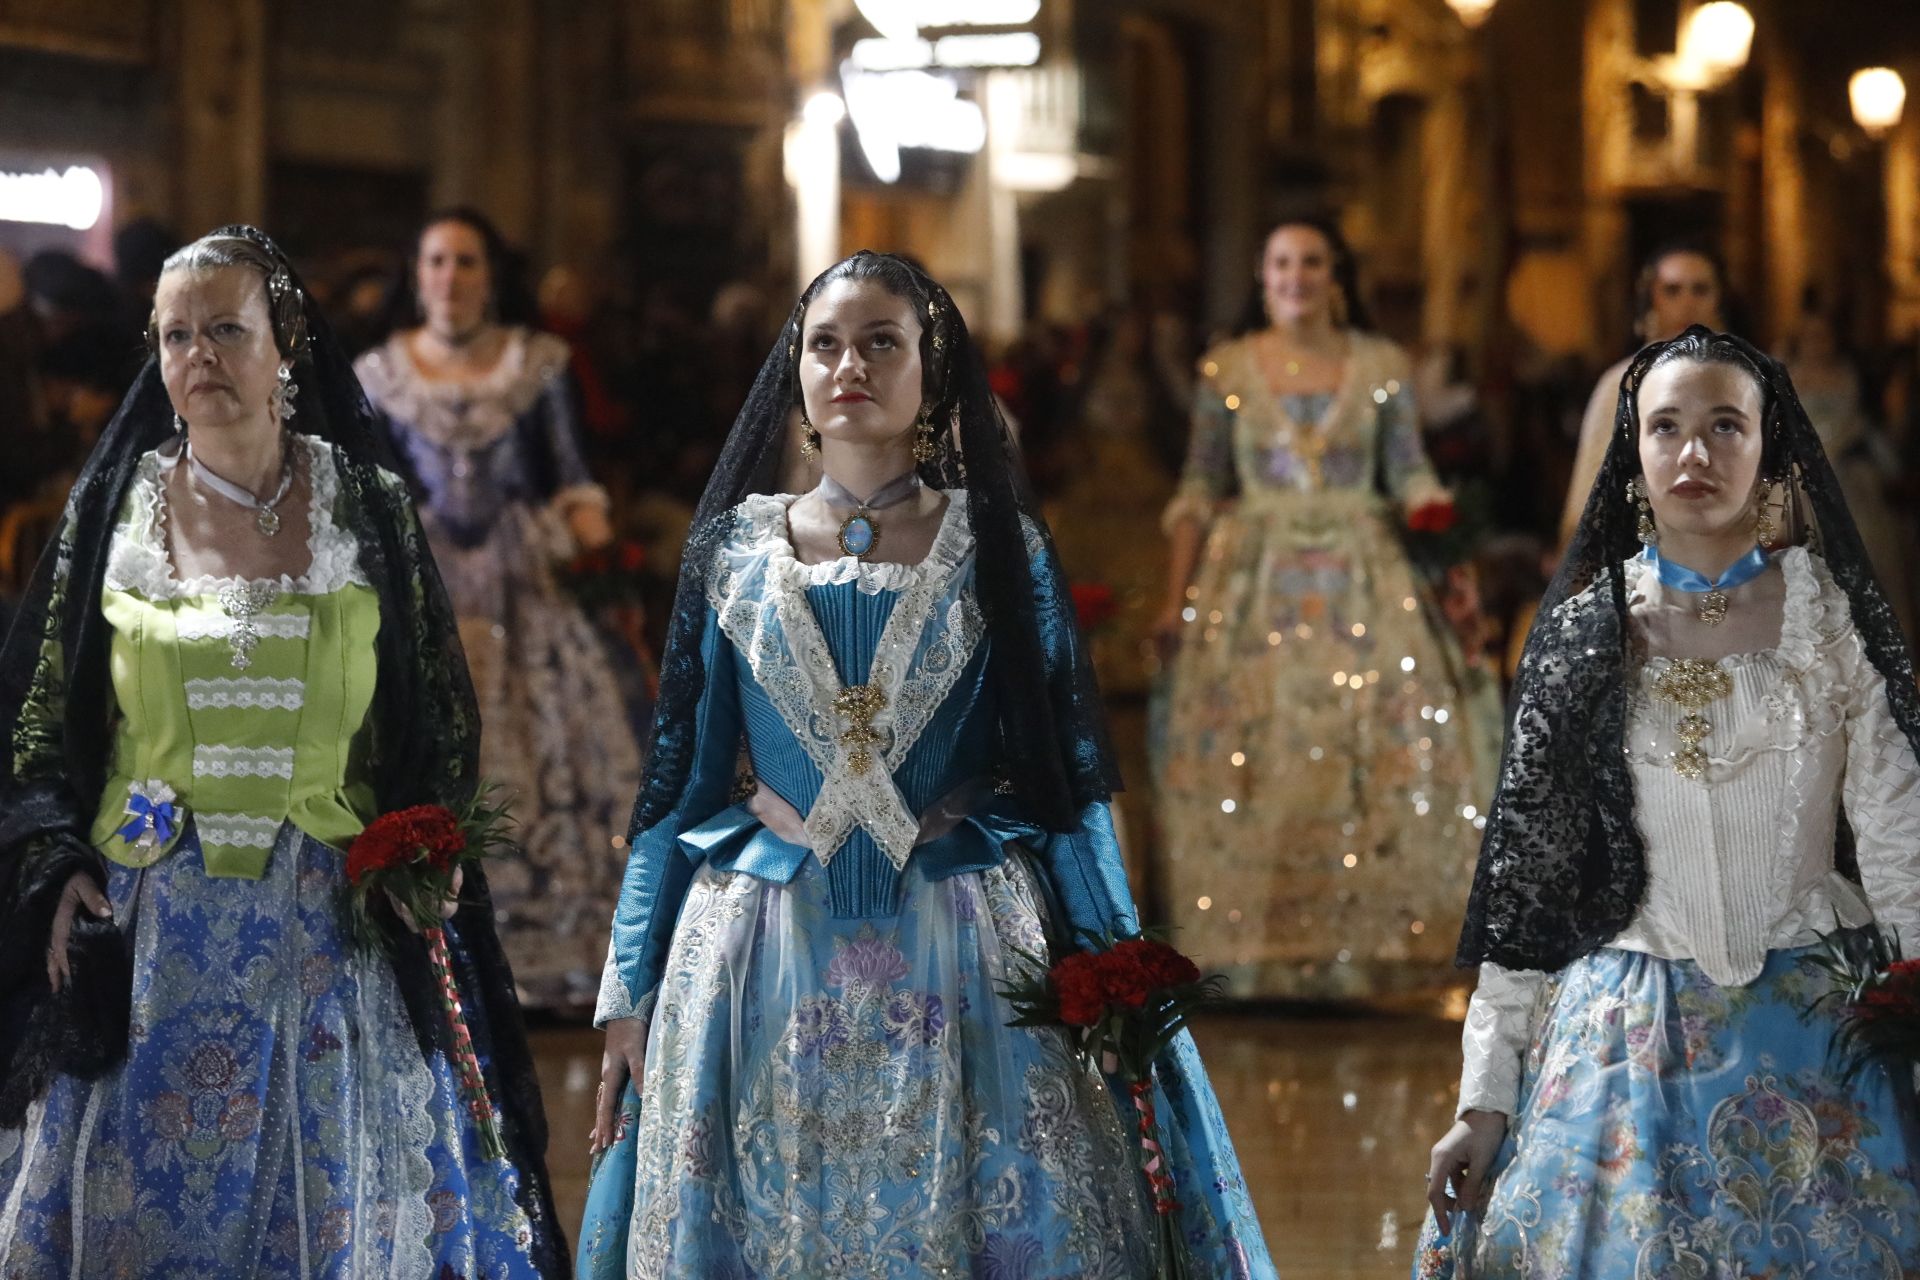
(1054, 744)
(56, 712)
(1563, 868)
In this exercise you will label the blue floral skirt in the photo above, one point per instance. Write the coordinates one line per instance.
(274, 1117)
(1672, 1127)
(843, 1097)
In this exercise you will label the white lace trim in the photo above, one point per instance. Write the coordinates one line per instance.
(217, 760)
(467, 415)
(616, 1000)
(237, 830)
(398, 1126)
(263, 692)
(771, 624)
(137, 558)
(873, 577)
(217, 626)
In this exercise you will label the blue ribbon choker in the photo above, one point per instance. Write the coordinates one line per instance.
(1713, 603)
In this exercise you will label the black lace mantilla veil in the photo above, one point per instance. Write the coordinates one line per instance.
(1562, 867)
(56, 706)
(1054, 742)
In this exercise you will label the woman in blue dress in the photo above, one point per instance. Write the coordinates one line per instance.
(1712, 762)
(809, 1070)
(236, 655)
(484, 420)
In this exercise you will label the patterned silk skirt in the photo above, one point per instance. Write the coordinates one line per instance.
(274, 1118)
(1671, 1127)
(558, 735)
(1326, 758)
(842, 1097)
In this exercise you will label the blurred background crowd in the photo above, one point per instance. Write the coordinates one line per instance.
(1530, 189)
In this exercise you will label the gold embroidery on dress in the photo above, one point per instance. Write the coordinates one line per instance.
(859, 704)
(1692, 684)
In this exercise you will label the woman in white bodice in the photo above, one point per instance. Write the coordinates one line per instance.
(1712, 763)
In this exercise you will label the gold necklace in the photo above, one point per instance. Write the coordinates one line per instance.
(1692, 684)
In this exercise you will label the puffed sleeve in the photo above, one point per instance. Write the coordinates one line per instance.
(1405, 470)
(658, 873)
(1882, 799)
(1500, 1023)
(566, 453)
(1207, 479)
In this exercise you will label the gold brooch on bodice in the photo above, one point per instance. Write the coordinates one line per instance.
(1692, 684)
(858, 705)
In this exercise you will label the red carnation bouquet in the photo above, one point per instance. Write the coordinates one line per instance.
(612, 576)
(412, 857)
(1093, 605)
(1122, 1000)
(1877, 992)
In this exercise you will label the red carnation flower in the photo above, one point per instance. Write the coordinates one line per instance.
(1432, 517)
(1093, 604)
(1077, 980)
(428, 832)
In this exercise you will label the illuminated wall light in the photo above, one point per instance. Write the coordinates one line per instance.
(975, 13)
(895, 19)
(71, 199)
(824, 108)
(899, 109)
(1879, 98)
(891, 55)
(1718, 39)
(1015, 49)
(1036, 171)
(1471, 12)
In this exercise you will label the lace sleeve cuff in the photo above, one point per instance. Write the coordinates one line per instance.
(616, 1001)
(1500, 1023)
(1191, 504)
(581, 495)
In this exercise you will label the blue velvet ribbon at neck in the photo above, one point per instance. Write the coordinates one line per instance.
(1680, 578)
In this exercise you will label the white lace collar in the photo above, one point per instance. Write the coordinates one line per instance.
(767, 532)
(1814, 614)
(137, 559)
(465, 414)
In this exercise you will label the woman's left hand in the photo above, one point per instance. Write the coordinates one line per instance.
(448, 905)
(590, 526)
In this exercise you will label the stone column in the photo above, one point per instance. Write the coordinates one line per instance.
(221, 168)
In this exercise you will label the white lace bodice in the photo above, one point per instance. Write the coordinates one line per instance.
(137, 558)
(1740, 860)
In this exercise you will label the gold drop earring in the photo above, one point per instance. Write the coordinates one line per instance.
(809, 437)
(1765, 530)
(924, 448)
(1637, 495)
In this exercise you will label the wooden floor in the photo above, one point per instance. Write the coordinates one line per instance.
(1333, 1118)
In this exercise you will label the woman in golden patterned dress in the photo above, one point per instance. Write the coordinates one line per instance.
(1322, 780)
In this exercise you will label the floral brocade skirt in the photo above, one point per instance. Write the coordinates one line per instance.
(274, 1117)
(1326, 761)
(842, 1097)
(1671, 1127)
(559, 736)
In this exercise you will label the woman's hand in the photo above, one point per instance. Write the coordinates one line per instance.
(590, 526)
(1166, 631)
(448, 905)
(79, 891)
(1463, 1157)
(625, 1058)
